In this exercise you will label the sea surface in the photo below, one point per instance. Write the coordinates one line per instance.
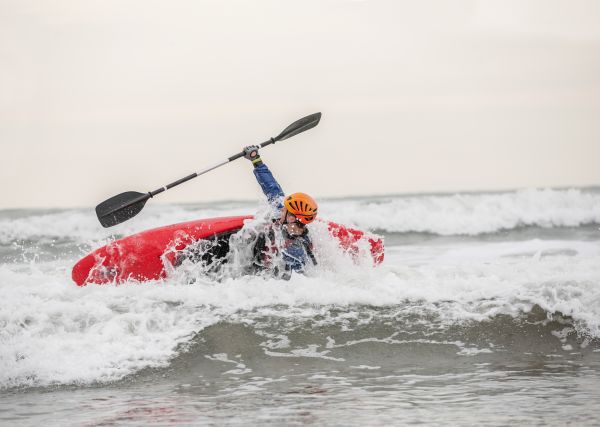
(485, 312)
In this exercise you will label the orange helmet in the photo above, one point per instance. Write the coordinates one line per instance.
(302, 206)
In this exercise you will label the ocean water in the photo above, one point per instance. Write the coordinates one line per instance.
(486, 311)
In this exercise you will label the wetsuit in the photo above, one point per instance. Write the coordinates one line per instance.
(296, 250)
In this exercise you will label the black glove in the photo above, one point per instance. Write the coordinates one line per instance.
(251, 153)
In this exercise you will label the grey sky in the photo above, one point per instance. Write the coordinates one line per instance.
(99, 97)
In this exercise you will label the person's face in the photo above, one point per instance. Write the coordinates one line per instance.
(291, 223)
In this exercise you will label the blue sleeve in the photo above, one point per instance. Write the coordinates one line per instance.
(269, 185)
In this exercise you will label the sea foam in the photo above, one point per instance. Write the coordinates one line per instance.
(470, 214)
(53, 332)
(451, 214)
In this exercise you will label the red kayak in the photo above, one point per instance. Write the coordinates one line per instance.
(142, 256)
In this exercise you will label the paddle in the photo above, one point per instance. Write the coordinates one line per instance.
(126, 205)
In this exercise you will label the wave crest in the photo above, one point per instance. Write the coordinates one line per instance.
(456, 214)
(470, 214)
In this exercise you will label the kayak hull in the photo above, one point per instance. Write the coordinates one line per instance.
(143, 256)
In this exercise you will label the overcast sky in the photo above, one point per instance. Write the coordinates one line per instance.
(100, 97)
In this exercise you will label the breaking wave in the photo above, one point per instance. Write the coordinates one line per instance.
(104, 333)
(451, 214)
(460, 294)
(471, 214)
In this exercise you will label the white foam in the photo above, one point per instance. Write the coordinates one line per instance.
(472, 351)
(82, 225)
(310, 351)
(240, 368)
(52, 332)
(469, 214)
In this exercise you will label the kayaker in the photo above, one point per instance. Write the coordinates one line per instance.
(291, 215)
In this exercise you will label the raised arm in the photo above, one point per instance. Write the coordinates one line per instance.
(265, 178)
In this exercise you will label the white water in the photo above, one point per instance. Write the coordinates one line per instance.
(471, 214)
(52, 332)
(101, 333)
(459, 214)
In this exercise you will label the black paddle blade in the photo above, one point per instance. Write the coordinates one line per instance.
(121, 207)
(298, 126)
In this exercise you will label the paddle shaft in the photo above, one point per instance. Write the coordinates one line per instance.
(202, 172)
(126, 205)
